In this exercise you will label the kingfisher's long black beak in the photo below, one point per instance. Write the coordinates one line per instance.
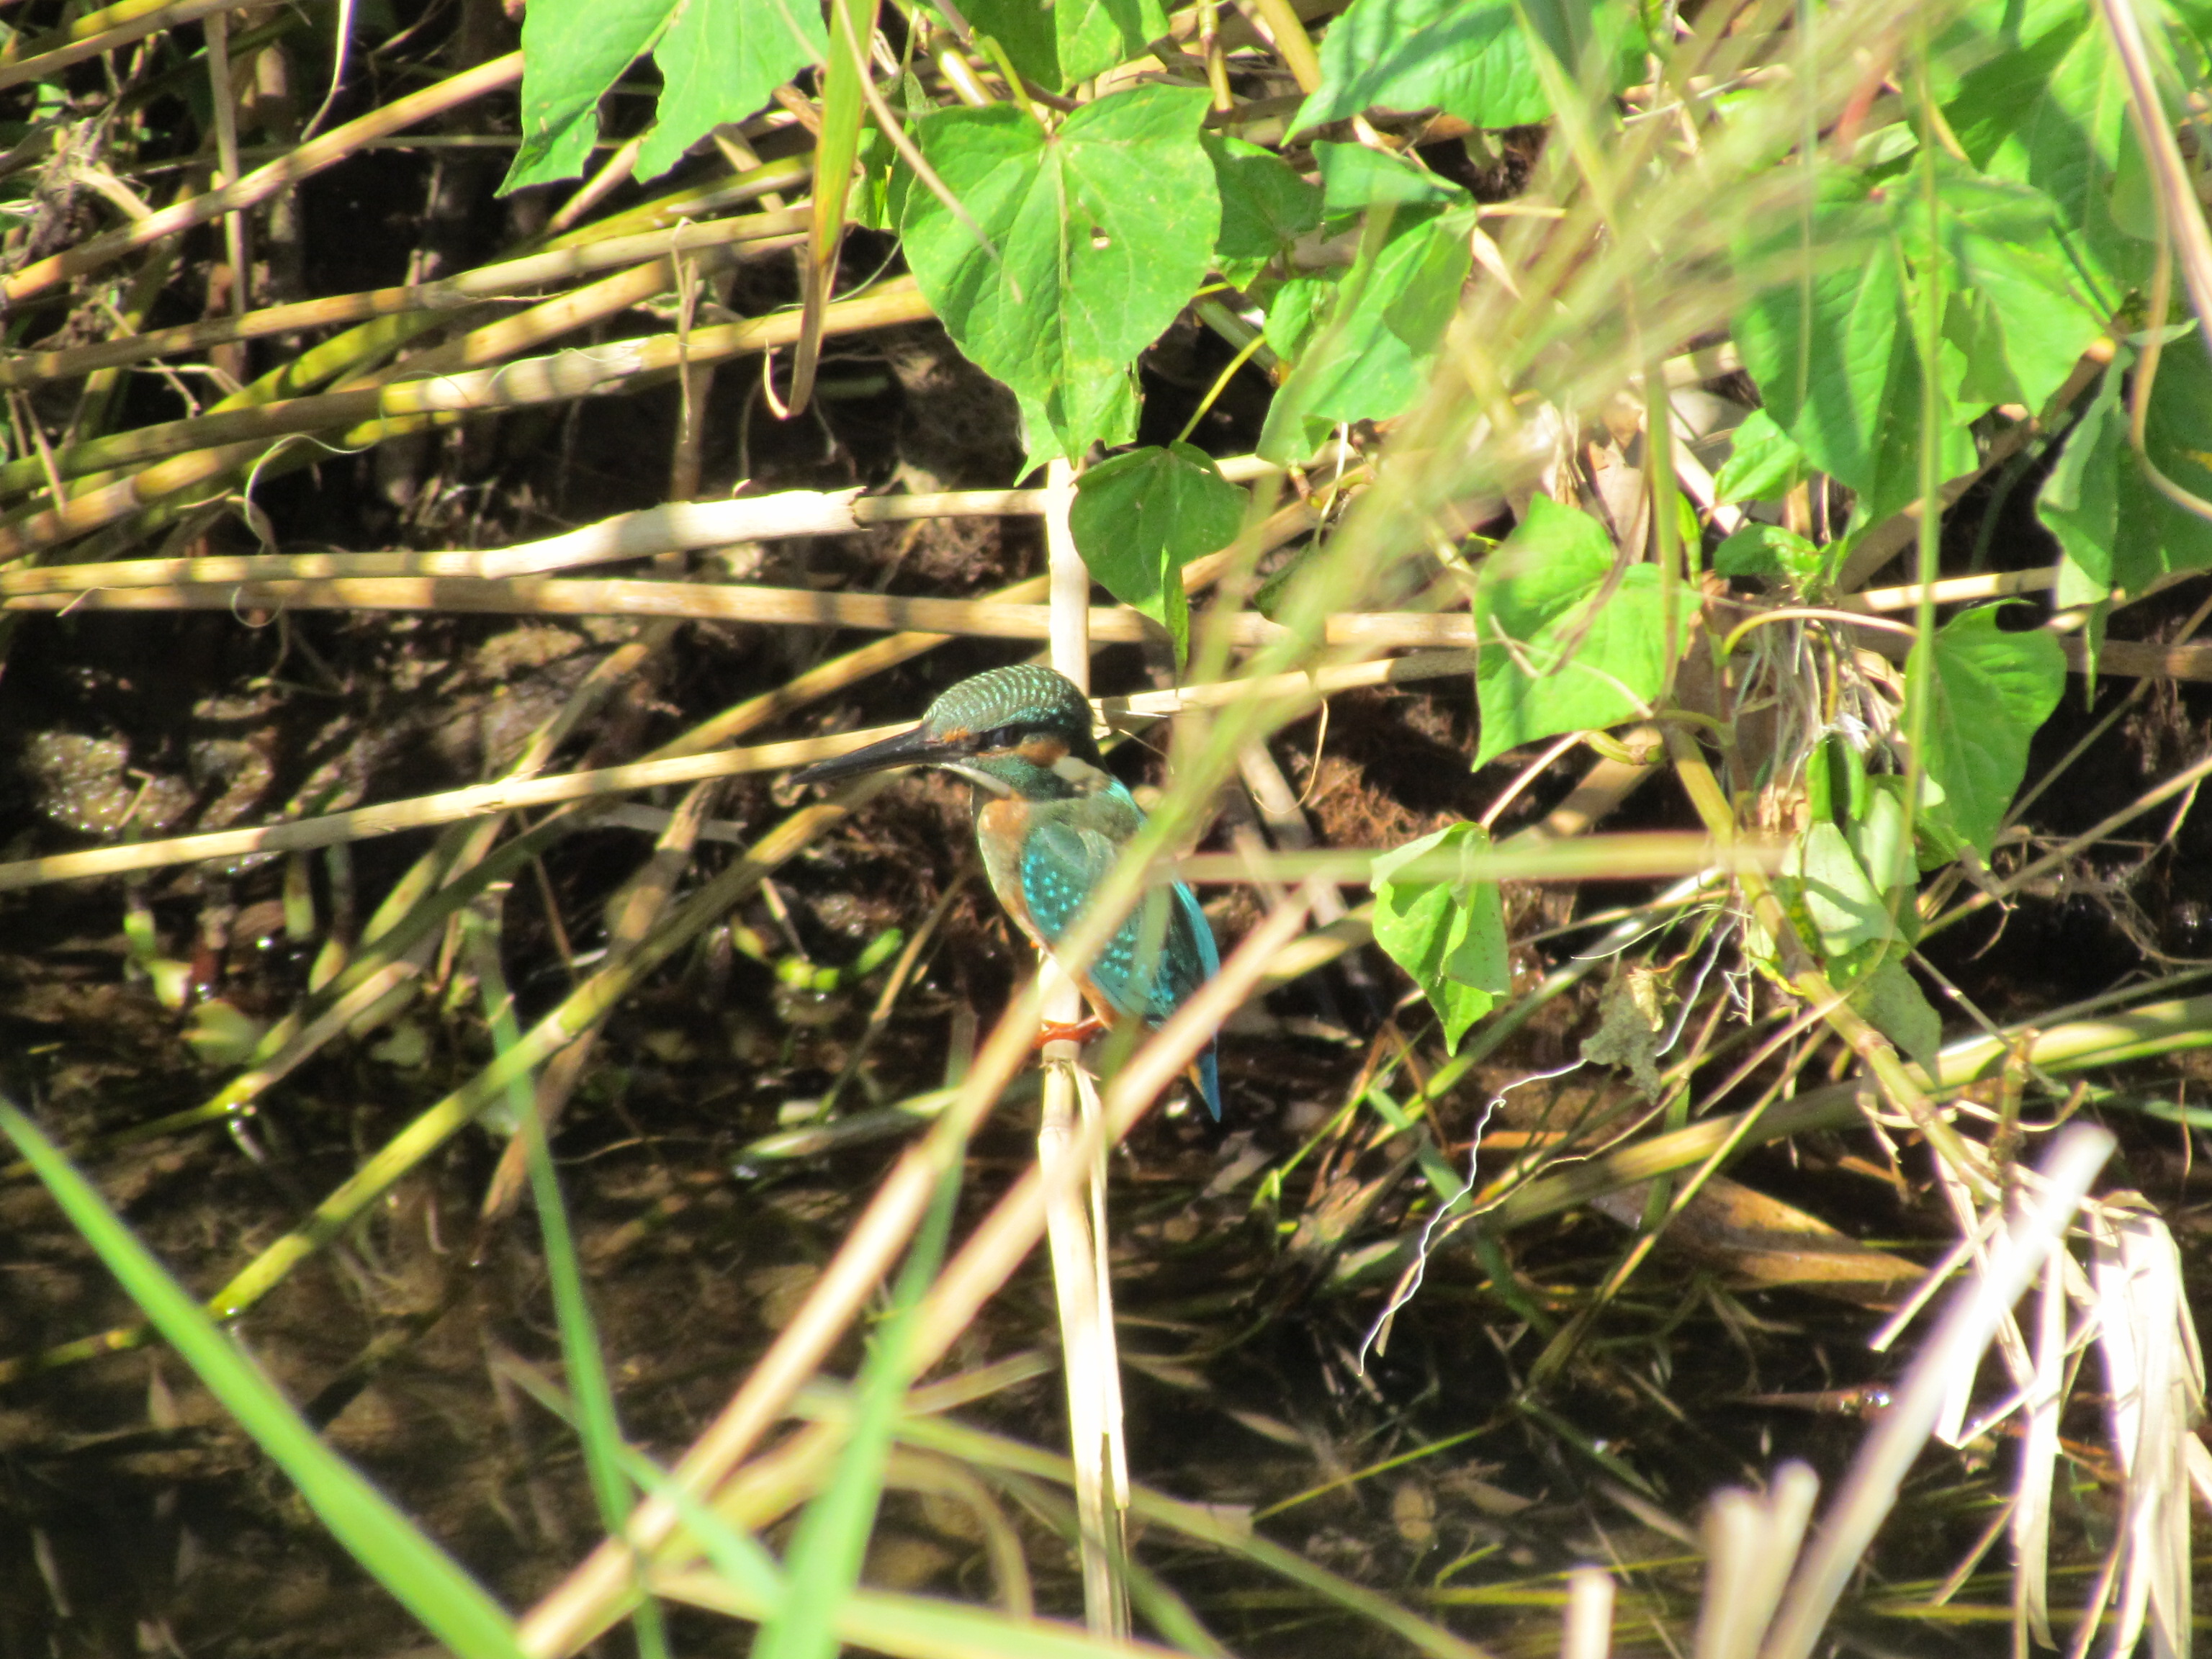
(915, 748)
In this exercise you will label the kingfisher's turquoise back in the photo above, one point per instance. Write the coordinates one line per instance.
(1160, 956)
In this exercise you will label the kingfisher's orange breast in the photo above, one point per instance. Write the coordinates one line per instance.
(1002, 827)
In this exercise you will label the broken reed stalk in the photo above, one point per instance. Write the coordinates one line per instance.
(1977, 1309)
(1075, 1225)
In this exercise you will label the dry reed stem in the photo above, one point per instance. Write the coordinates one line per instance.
(1751, 1541)
(1633, 857)
(102, 31)
(1971, 1322)
(679, 526)
(372, 413)
(509, 795)
(717, 602)
(303, 161)
(469, 376)
(1083, 1290)
(592, 1595)
(508, 277)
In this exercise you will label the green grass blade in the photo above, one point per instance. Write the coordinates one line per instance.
(597, 1425)
(427, 1580)
(832, 1538)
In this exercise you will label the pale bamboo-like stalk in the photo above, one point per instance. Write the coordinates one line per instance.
(1075, 1222)
(507, 278)
(103, 31)
(736, 602)
(1981, 1306)
(695, 763)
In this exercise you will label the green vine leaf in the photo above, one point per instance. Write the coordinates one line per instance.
(1265, 207)
(1100, 232)
(719, 60)
(1094, 35)
(2114, 528)
(2015, 313)
(1140, 517)
(1992, 692)
(1025, 29)
(1770, 550)
(1448, 935)
(1892, 1001)
(1557, 652)
(1467, 58)
(2039, 110)
(572, 50)
(1371, 357)
(1764, 463)
(1354, 178)
(1846, 911)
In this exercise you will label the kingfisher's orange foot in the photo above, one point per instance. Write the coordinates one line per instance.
(1080, 1031)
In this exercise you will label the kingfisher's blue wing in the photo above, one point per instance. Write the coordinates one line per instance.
(1157, 959)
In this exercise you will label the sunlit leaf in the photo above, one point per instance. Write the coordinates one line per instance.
(2043, 109)
(1553, 658)
(1025, 29)
(1763, 462)
(573, 52)
(1354, 178)
(1992, 691)
(1448, 935)
(1832, 350)
(1094, 35)
(1101, 231)
(1846, 910)
(719, 61)
(1140, 517)
(1371, 357)
(1467, 58)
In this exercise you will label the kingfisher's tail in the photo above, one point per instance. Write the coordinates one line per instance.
(1207, 1071)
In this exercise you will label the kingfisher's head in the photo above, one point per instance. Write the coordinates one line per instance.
(1021, 730)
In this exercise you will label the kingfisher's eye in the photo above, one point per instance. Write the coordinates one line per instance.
(1004, 736)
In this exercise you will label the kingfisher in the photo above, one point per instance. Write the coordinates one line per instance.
(1050, 821)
